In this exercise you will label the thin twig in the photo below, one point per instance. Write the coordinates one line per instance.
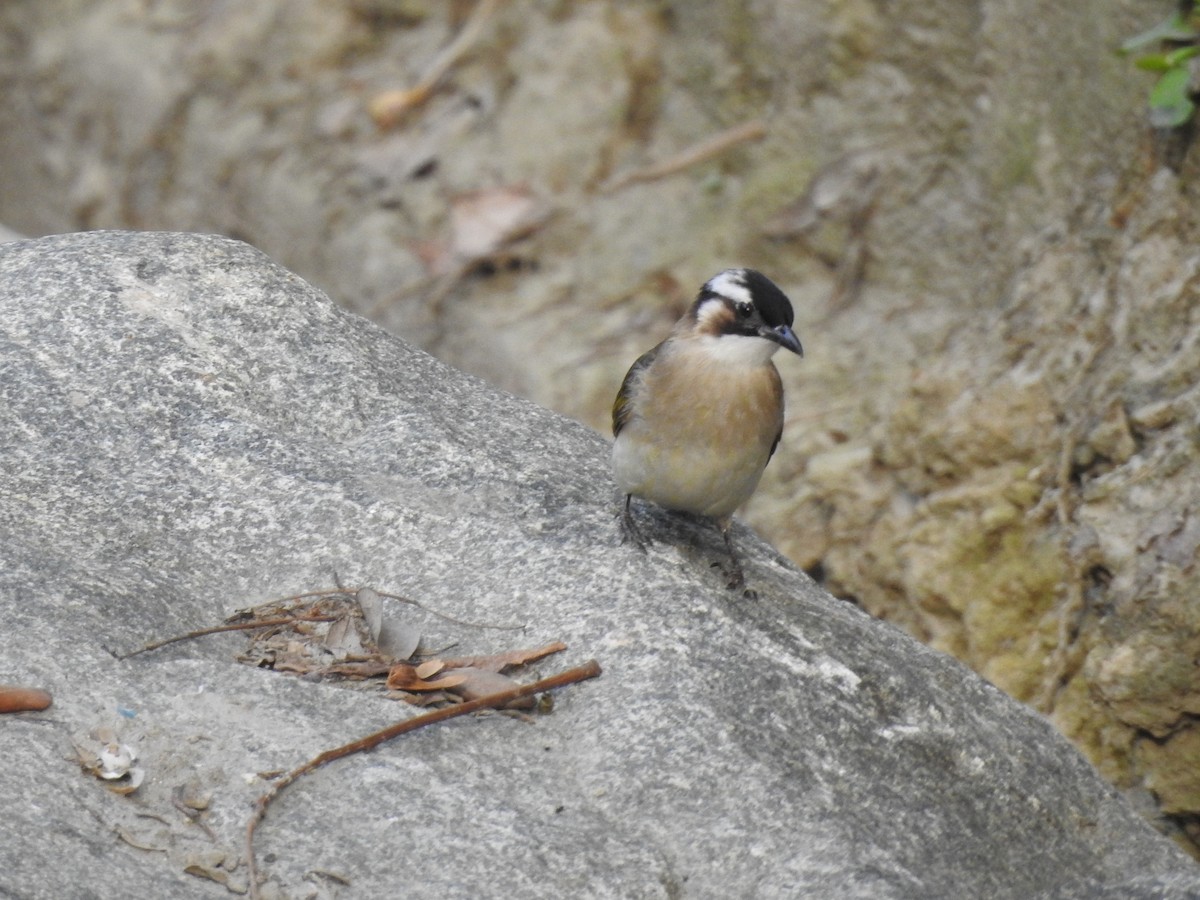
(697, 153)
(195, 816)
(250, 625)
(589, 669)
(132, 841)
(373, 668)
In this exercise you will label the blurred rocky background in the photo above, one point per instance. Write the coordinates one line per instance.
(993, 439)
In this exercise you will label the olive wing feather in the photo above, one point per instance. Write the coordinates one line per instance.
(621, 411)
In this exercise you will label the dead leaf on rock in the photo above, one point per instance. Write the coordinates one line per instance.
(358, 670)
(192, 802)
(466, 678)
(371, 605)
(429, 668)
(404, 677)
(192, 796)
(301, 616)
(342, 633)
(482, 682)
(398, 640)
(314, 632)
(215, 865)
(498, 662)
(335, 877)
(136, 842)
(343, 640)
(102, 754)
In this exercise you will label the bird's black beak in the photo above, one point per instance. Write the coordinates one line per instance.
(784, 337)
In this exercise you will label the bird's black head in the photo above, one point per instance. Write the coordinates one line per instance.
(745, 303)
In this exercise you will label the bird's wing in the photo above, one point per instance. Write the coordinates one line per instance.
(621, 411)
(779, 433)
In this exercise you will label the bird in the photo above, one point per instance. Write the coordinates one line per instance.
(698, 417)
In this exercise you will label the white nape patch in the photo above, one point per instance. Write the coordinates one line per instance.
(737, 349)
(711, 315)
(729, 284)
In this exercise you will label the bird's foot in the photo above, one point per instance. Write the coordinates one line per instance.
(735, 578)
(629, 531)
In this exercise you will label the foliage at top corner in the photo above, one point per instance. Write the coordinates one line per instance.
(1168, 49)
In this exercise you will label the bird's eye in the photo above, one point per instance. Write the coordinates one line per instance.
(743, 309)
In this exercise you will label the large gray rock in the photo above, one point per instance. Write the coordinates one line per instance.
(188, 429)
(993, 442)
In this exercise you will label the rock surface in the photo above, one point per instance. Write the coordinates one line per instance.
(188, 430)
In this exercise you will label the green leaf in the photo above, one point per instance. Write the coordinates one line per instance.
(1153, 62)
(1161, 62)
(1181, 55)
(1175, 28)
(1170, 105)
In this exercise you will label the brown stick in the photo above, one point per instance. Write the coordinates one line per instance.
(697, 153)
(18, 698)
(589, 669)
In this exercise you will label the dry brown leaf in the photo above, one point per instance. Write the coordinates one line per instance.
(401, 682)
(358, 669)
(192, 796)
(445, 683)
(102, 754)
(215, 866)
(404, 677)
(134, 841)
(387, 108)
(371, 605)
(484, 221)
(429, 668)
(398, 640)
(336, 635)
(481, 683)
(342, 639)
(128, 783)
(498, 662)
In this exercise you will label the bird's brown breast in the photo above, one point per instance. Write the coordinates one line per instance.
(703, 432)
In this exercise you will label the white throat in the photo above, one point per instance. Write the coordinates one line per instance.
(737, 349)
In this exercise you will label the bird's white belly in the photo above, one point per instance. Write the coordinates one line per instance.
(693, 478)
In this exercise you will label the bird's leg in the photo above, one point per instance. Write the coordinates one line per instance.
(629, 532)
(737, 578)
